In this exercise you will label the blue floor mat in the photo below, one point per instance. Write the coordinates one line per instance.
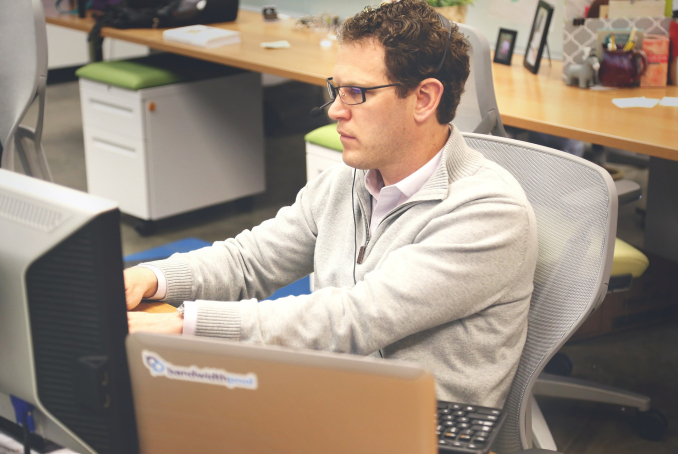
(164, 251)
(300, 287)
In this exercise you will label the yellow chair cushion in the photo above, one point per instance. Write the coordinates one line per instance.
(628, 260)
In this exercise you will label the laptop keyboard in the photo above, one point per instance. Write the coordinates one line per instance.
(466, 429)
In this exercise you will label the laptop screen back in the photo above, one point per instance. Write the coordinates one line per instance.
(207, 395)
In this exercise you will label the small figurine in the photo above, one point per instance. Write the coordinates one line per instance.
(269, 12)
(586, 73)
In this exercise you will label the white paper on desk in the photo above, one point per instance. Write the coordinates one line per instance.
(635, 102)
(668, 101)
(276, 45)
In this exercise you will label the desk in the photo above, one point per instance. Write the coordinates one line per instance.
(154, 308)
(541, 102)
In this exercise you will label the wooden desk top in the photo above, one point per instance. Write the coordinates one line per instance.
(543, 103)
(154, 308)
(306, 61)
(540, 102)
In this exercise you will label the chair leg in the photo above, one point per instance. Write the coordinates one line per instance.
(541, 434)
(574, 388)
(33, 160)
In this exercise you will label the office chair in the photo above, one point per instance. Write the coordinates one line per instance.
(477, 111)
(23, 76)
(575, 204)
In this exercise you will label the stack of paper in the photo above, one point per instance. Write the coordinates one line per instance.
(635, 102)
(202, 35)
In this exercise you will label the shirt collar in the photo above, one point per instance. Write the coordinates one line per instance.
(409, 185)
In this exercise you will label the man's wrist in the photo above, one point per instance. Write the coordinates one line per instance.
(155, 283)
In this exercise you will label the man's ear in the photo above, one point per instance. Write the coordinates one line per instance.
(428, 94)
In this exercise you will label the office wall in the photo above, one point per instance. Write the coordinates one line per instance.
(487, 15)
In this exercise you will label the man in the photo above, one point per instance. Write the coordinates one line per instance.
(425, 252)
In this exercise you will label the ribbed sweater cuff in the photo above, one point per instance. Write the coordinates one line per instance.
(179, 280)
(218, 319)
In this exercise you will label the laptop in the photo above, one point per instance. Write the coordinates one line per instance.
(208, 395)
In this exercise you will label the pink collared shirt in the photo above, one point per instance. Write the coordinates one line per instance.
(387, 198)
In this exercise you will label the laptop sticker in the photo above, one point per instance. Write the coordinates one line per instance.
(162, 368)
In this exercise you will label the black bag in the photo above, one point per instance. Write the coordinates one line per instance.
(165, 14)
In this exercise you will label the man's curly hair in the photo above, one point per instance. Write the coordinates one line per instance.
(414, 41)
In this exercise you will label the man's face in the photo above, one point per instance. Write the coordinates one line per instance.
(374, 133)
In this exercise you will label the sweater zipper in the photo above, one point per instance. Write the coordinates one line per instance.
(363, 249)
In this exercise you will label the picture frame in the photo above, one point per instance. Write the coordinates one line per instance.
(538, 35)
(506, 41)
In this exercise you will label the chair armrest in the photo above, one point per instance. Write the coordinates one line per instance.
(628, 191)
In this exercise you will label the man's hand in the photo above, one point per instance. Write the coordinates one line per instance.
(140, 283)
(170, 323)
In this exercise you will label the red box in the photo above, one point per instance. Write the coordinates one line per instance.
(657, 49)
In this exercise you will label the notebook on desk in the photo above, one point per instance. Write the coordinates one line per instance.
(207, 395)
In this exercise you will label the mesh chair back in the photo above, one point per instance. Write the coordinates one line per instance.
(575, 204)
(23, 71)
(477, 110)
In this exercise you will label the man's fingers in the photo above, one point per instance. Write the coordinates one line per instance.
(168, 323)
(139, 282)
(132, 299)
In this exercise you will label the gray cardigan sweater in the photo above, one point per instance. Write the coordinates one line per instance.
(445, 281)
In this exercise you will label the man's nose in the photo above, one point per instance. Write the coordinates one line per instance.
(339, 111)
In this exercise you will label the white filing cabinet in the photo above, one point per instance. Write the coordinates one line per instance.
(171, 149)
(319, 158)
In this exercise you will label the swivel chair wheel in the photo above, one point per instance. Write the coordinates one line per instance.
(560, 364)
(652, 424)
(145, 228)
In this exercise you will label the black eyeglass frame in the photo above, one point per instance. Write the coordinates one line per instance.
(334, 89)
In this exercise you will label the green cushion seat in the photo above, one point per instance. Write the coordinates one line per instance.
(152, 71)
(325, 136)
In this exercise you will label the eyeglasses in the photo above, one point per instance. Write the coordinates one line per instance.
(350, 94)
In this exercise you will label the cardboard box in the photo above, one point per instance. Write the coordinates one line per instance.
(657, 49)
(652, 298)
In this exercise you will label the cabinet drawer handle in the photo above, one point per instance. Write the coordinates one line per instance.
(112, 108)
(114, 147)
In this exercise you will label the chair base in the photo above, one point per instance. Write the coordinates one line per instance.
(541, 434)
(574, 388)
(650, 423)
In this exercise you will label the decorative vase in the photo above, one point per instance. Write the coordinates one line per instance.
(453, 13)
(622, 68)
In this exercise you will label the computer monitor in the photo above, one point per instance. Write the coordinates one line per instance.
(63, 319)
